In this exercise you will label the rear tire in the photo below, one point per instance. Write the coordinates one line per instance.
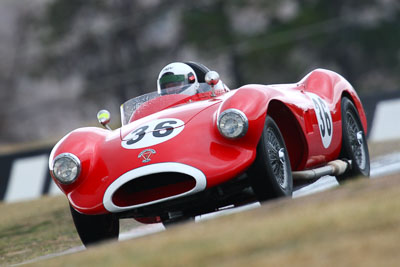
(354, 142)
(93, 229)
(271, 174)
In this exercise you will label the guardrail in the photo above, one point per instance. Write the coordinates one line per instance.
(24, 175)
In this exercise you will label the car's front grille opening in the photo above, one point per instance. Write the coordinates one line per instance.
(153, 187)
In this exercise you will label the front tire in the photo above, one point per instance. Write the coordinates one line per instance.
(271, 174)
(93, 229)
(354, 143)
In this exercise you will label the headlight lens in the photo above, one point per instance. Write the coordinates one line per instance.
(66, 168)
(232, 123)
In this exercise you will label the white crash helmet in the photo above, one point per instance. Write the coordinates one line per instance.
(177, 78)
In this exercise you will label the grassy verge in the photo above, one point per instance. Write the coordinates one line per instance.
(355, 225)
(32, 229)
(40, 227)
(357, 217)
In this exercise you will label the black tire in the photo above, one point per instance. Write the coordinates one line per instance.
(93, 229)
(354, 142)
(271, 174)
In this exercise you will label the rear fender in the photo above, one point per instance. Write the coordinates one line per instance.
(352, 95)
(322, 82)
(331, 85)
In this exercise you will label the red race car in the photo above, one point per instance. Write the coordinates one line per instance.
(195, 146)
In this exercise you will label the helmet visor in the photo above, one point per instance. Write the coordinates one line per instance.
(168, 81)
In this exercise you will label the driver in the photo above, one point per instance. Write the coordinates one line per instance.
(177, 78)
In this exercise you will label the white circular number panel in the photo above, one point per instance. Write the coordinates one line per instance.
(153, 133)
(324, 119)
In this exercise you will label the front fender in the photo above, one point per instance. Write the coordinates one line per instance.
(83, 143)
(252, 100)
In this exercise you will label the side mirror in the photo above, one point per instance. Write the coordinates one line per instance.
(212, 78)
(104, 118)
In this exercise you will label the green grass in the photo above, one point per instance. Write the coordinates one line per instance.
(32, 229)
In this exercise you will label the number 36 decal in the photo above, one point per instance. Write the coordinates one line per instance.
(324, 119)
(153, 133)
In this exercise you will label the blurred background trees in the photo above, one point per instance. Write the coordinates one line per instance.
(62, 60)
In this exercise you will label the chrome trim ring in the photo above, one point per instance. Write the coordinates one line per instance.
(241, 115)
(74, 158)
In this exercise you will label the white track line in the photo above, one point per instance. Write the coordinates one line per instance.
(142, 230)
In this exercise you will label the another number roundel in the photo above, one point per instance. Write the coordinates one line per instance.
(153, 133)
(324, 119)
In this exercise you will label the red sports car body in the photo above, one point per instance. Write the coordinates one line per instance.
(172, 159)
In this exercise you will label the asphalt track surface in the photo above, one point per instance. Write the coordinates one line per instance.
(384, 165)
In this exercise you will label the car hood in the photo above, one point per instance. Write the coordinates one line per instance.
(180, 115)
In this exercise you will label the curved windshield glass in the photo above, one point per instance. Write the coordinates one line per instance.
(130, 106)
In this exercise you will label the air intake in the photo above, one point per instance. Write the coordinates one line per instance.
(153, 187)
(152, 184)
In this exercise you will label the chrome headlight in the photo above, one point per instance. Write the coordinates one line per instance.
(66, 168)
(232, 123)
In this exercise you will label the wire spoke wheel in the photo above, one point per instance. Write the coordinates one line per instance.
(271, 175)
(356, 140)
(354, 144)
(277, 161)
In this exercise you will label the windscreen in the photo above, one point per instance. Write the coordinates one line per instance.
(129, 107)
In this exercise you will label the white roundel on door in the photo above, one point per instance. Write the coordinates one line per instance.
(153, 133)
(324, 118)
